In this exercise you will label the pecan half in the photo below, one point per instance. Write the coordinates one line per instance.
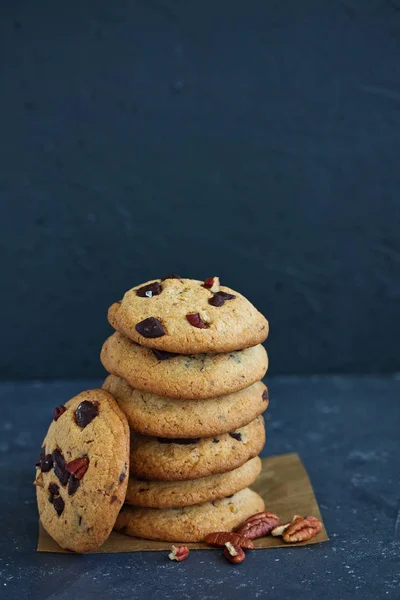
(258, 525)
(277, 531)
(78, 467)
(302, 529)
(178, 553)
(234, 553)
(220, 538)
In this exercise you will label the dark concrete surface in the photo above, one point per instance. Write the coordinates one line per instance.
(258, 141)
(346, 430)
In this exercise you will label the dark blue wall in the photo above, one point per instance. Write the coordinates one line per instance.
(259, 141)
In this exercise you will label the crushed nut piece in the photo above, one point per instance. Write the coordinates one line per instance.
(234, 553)
(178, 553)
(277, 531)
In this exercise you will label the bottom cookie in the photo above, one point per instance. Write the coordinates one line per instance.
(173, 494)
(190, 523)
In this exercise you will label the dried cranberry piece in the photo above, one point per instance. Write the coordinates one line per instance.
(150, 290)
(182, 441)
(219, 298)
(73, 485)
(163, 355)
(150, 328)
(173, 276)
(58, 411)
(236, 436)
(59, 467)
(265, 395)
(209, 282)
(58, 504)
(196, 320)
(46, 463)
(86, 412)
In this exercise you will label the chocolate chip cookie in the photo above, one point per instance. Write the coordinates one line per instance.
(179, 376)
(190, 458)
(188, 316)
(191, 523)
(173, 494)
(82, 471)
(150, 414)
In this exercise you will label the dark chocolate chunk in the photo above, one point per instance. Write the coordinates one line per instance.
(73, 485)
(196, 320)
(58, 411)
(163, 355)
(215, 441)
(150, 328)
(122, 477)
(46, 463)
(150, 290)
(173, 276)
(59, 467)
(40, 457)
(113, 499)
(236, 436)
(219, 298)
(265, 395)
(182, 441)
(86, 412)
(58, 504)
(53, 491)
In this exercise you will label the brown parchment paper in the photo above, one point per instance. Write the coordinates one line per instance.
(284, 486)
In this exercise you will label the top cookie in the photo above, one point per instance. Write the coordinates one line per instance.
(82, 471)
(188, 316)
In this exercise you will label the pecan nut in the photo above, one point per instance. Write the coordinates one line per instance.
(278, 531)
(302, 529)
(258, 525)
(78, 467)
(221, 538)
(178, 553)
(235, 554)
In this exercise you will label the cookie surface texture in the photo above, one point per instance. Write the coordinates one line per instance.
(192, 523)
(154, 415)
(181, 315)
(180, 376)
(173, 494)
(182, 459)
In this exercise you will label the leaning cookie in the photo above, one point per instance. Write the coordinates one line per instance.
(179, 376)
(188, 316)
(181, 459)
(173, 494)
(155, 415)
(82, 471)
(190, 523)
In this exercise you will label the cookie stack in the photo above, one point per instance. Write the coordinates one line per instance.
(185, 366)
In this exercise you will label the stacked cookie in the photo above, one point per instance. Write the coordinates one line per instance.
(185, 366)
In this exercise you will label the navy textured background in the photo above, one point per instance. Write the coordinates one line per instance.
(258, 141)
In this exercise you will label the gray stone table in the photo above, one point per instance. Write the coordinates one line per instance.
(346, 431)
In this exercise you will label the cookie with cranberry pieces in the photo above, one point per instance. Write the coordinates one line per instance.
(196, 376)
(189, 523)
(188, 316)
(82, 471)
